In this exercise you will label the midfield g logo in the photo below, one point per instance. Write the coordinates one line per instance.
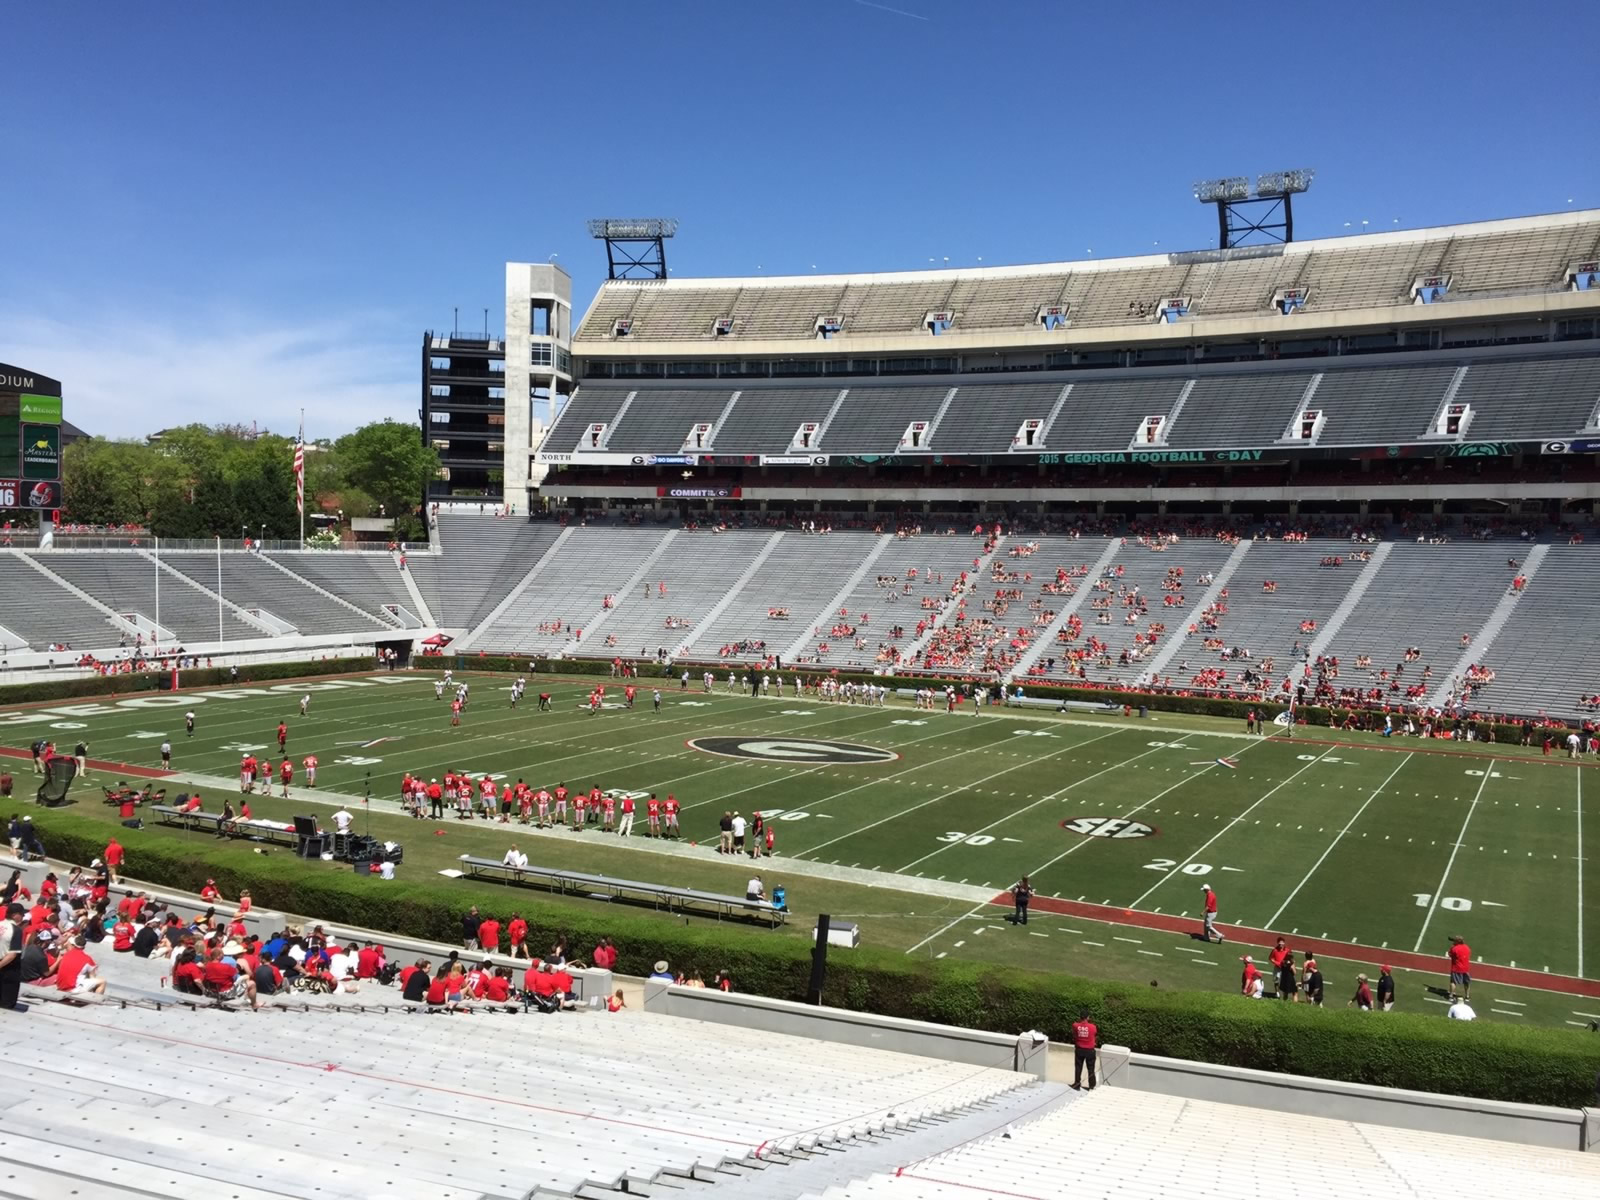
(1108, 827)
(792, 750)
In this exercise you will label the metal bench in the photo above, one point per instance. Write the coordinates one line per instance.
(212, 823)
(674, 899)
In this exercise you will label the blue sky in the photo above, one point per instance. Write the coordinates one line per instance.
(227, 211)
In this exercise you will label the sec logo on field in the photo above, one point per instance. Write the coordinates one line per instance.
(1108, 827)
(791, 750)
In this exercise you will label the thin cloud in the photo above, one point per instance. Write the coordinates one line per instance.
(899, 12)
(123, 376)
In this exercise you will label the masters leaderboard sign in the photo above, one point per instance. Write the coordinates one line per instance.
(30, 439)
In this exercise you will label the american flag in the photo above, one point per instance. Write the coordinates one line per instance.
(300, 469)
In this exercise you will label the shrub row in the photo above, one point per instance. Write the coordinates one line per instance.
(1532, 1065)
(149, 681)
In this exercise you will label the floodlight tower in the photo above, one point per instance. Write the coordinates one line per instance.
(635, 246)
(1265, 215)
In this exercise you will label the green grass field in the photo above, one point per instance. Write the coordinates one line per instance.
(1350, 845)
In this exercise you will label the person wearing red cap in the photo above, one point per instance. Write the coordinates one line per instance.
(1385, 988)
(1250, 982)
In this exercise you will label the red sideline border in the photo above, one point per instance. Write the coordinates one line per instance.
(1251, 939)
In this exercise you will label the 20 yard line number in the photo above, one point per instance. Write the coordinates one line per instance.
(1166, 864)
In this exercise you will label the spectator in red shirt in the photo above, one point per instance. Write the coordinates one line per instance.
(1363, 997)
(75, 973)
(605, 955)
(489, 935)
(122, 936)
(517, 931)
(1460, 955)
(497, 987)
(1251, 979)
(1085, 1039)
(211, 893)
(437, 991)
(115, 856)
(369, 962)
(186, 975)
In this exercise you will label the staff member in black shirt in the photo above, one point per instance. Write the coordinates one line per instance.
(1385, 988)
(1021, 894)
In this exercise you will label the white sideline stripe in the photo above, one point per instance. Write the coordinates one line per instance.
(1079, 845)
(1580, 873)
(1273, 920)
(1488, 771)
(1202, 849)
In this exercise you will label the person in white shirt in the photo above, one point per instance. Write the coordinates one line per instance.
(738, 832)
(1461, 1011)
(515, 859)
(305, 703)
(755, 889)
(342, 820)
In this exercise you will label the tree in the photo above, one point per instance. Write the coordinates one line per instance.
(389, 461)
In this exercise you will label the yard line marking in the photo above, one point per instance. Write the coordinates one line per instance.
(1188, 949)
(1273, 919)
(1579, 1024)
(1055, 795)
(1135, 941)
(1443, 879)
(1201, 850)
(941, 954)
(1435, 1000)
(1508, 1012)
(1203, 962)
(1033, 934)
(1151, 953)
(961, 943)
(1518, 1003)
(1079, 845)
(1591, 1016)
(1102, 945)
(1580, 873)
(944, 796)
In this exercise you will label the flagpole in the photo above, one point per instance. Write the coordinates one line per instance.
(301, 482)
(158, 590)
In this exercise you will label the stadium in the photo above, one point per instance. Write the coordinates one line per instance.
(1207, 598)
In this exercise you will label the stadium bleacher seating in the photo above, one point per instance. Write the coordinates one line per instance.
(1486, 259)
(487, 556)
(43, 612)
(1126, 1143)
(369, 581)
(127, 583)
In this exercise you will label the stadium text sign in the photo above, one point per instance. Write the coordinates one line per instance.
(791, 750)
(1153, 456)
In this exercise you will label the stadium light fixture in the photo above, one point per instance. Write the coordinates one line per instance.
(1233, 187)
(1285, 183)
(629, 228)
(635, 246)
(1262, 214)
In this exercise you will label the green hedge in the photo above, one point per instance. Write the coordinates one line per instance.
(147, 681)
(1538, 1066)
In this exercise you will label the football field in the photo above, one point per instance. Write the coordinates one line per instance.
(914, 823)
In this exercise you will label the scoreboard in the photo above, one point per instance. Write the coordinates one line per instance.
(30, 440)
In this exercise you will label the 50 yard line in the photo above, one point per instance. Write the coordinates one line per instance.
(1454, 850)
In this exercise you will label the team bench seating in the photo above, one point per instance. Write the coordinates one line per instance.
(674, 899)
(212, 823)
